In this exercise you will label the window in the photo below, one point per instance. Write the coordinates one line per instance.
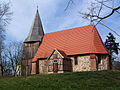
(76, 60)
(99, 59)
(55, 60)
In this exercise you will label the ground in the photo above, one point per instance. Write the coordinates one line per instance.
(92, 80)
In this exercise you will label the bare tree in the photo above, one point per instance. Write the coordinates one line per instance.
(5, 17)
(6, 66)
(13, 53)
(95, 12)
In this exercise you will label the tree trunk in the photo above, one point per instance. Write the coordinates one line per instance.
(16, 71)
(1, 64)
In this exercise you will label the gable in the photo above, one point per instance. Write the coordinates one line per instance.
(55, 52)
(82, 40)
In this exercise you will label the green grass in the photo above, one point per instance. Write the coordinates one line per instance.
(98, 80)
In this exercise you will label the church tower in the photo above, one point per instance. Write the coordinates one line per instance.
(31, 45)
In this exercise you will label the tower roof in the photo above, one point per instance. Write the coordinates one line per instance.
(36, 32)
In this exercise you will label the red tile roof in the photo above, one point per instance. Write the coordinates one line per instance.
(82, 40)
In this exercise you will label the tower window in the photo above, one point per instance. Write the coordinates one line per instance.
(76, 60)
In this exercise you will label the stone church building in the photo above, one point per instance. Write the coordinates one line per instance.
(77, 49)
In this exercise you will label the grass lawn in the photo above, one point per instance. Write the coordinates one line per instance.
(97, 80)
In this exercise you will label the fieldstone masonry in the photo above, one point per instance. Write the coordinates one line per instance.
(43, 66)
(83, 63)
(90, 63)
(104, 63)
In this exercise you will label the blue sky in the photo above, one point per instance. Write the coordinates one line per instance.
(53, 17)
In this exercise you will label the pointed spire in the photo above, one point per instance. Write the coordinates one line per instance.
(36, 32)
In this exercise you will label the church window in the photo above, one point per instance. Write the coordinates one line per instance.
(99, 59)
(76, 60)
(55, 60)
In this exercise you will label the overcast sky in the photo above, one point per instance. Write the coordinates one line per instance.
(53, 17)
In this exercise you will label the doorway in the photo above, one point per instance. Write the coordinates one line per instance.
(55, 65)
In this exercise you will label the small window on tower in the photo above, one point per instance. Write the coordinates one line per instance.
(76, 60)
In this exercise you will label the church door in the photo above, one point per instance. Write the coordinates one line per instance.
(55, 65)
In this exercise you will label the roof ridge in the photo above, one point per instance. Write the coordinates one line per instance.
(72, 28)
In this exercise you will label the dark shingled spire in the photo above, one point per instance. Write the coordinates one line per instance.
(36, 33)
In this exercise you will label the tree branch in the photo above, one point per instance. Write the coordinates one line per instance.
(115, 9)
(110, 29)
(70, 1)
(100, 8)
(108, 7)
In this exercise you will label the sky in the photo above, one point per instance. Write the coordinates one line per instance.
(54, 17)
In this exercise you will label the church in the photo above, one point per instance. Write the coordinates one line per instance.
(72, 50)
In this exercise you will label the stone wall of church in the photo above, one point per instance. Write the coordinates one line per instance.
(104, 63)
(43, 66)
(83, 63)
(88, 63)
